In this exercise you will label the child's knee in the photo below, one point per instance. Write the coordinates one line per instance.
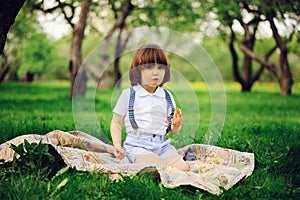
(181, 165)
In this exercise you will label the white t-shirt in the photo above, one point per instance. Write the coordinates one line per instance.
(151, 111)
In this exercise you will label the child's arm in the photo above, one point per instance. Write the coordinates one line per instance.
(116, 134)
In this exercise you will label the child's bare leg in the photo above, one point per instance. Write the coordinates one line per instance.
(178, 162)
(175, 161)
(149, 157)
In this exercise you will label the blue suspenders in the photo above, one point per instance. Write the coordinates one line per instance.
(131, 110)
(169, 100)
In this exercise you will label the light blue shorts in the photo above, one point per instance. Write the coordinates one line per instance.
(135, 145)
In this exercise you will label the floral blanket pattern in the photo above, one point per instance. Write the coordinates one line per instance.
(211, 167)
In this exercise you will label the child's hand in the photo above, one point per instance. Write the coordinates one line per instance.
(176, 121)
(119, 152)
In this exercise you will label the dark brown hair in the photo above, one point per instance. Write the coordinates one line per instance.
(144, 55)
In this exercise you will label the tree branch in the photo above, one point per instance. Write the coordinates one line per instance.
(60, 5)
(127, 7)
(263, 61)
(261, 69)
(280, 43)
(247, 31)
(246, 6)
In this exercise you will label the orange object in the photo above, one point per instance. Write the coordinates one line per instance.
(177, 111)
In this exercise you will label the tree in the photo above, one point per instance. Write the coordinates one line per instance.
(69, 10)
(259, 12)
(76, 54)
(269, 10)
(27, 47)
(120, 15)
(8, 11)
(248, 78)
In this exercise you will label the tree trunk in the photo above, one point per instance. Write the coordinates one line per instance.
(235, 58)
(247, 67)
(75, 73)
(118, 52)
(5, 68)
(247, 80)
(9, 9)
(285, 78)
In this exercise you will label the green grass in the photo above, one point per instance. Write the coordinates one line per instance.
(262, 122)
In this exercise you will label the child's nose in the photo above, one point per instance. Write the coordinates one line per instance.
(155, 69)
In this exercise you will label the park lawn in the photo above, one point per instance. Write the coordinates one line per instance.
(261, 122)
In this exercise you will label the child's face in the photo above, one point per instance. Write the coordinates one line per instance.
(152, 76)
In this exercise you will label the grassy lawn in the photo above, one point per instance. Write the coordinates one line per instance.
(262, 122)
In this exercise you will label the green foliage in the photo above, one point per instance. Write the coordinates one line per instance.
(219, 52)
(56, 70)
(25, 24)
(174, 14)
(294, 44)
(226, 11)
(36, 159)
(35, 54)
(30, 50)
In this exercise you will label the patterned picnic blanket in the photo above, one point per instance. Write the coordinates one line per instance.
(211, 167)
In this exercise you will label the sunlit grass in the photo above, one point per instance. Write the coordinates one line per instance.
(262, 122)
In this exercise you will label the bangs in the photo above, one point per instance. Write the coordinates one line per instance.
(150, 54)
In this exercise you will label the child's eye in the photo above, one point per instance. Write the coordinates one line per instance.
(150, 66)
(161, 67)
